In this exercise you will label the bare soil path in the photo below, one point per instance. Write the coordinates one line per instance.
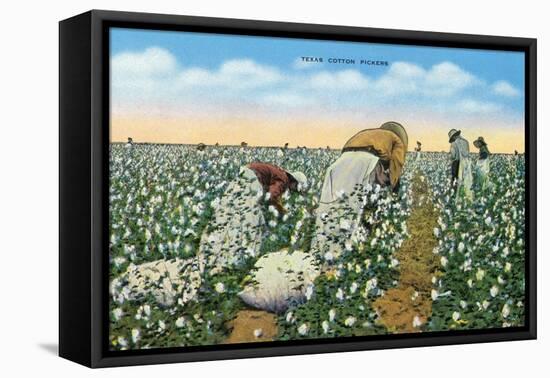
(252, 326)
(412, 297)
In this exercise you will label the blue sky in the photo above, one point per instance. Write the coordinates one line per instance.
(209, 50)
(182, 73)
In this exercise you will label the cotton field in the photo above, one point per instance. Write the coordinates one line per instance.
(166, 290)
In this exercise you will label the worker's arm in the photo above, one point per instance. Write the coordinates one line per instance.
(455, 155)
(276, 191)
(397, 160)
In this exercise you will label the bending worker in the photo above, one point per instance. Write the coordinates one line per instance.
(372, 156)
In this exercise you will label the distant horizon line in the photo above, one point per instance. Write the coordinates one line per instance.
(289, 148)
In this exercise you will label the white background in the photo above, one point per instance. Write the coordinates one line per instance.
(29, 186)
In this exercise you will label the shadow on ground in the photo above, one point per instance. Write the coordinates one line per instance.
(51, 348)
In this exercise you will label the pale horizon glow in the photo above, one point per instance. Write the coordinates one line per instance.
(189, 88)
(298, 132)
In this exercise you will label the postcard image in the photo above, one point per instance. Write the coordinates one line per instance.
(277, 189)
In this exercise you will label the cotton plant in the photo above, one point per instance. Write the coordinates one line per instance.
(357, 272)
(481, 249)
(162, 203)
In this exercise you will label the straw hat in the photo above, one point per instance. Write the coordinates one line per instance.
(479, 142)
(453, 133)
(398, 129)
(301, 178)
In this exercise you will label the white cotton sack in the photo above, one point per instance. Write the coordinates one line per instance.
(165, 280)
(279, 280)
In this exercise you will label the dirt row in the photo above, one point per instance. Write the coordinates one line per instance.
(412, 297)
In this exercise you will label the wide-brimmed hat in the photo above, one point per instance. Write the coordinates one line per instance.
(301, 178)
(479, 142)
(398, 129)
(453, 133)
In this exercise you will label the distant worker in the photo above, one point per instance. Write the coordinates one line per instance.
(461, 166)
(201, 146)
(238, 225)
(371, 157)
(417, 150)
(130, 142)
(482, 164)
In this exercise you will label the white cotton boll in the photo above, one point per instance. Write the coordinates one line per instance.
(325, 326)
(434, 294)
(309, 292)
(505, 310)
(122, 341)
(117, 313)
(302, 329)
(280, 278)
(180, 322)
(416, 321)
(135, 335)
(289, 318)
(258, 333)
(162, 325)
(444, 261)
(494, 291)
(350, 321)
(456, 316)
(348, 245)
(480, 274)
(331, 314)
(219, 287)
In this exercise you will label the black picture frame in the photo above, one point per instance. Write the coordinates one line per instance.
(83, 182)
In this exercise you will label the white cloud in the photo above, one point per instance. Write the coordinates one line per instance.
(153, 77)
(443, 79)
(504, 88)
(471, 106)
(151, 62)
(345, 80)
(449, 78)
(232, 74)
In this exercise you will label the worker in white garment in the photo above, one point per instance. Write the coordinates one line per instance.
(370, 157)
